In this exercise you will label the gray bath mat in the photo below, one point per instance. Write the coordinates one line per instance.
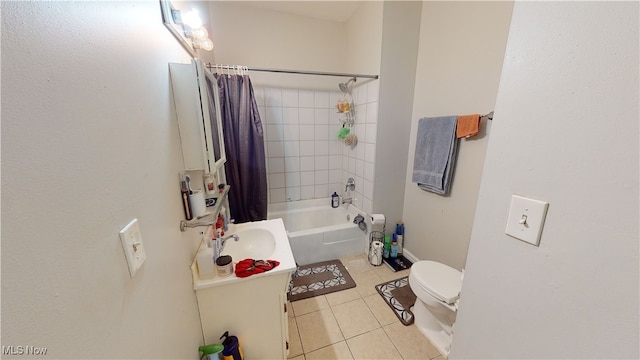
(399, 296)
(319, 279)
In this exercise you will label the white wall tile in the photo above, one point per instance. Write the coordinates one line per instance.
(368, 189)
(321, 116)
(360, 167)
(277, 195)
(274, 132)
(361, 151)
(321, 177)
(306, 99)
(335, 147)
(352, 165)
(291, 132)
(307, 132)
(291, 148)
(371, 131)
(307, 192)
(370, 152)
(334, 97)
(292, 179)
(321, 132)
(273, 97)
(292, 164)
(321, 147)
(290, 115)
(367, 205)
(276, 181)
(322, 163)
(290, 97)
(373, 89)
(307, 178)
(275, 148)
(273, 115)
(306, 116)
(335, 162)
(307, 148)
(372, 113)
(307, 163)
(322, 190)
(362, 94)
(335, 176)
(368, 171)
(321, 99)
(292, 193)
(276, 165)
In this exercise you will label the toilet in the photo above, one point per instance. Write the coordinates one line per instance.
(437, 288)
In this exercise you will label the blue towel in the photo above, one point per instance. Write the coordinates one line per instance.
(436, 145)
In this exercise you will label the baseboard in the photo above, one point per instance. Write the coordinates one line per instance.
(407, 254)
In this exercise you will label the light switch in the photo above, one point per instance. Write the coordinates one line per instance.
(526, 218)
(133, 247)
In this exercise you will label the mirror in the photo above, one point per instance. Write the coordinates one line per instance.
(212, 124)
(173, 22)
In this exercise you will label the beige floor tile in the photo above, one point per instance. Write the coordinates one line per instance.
(309, 305)
(356, 263)
(295, 346)
(366, 282)
(318, 329)
(337, 351)
(380, 309)
(373, 345)
(341, 297)
(354, 318)
(301, 357)
(410, 342)
(386, 274)
(291, 313)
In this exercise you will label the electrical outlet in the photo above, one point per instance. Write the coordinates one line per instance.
(133, 247)
(526, 218)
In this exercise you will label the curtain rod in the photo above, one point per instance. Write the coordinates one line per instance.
(303, 72)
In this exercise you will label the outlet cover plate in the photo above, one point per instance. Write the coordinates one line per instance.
(133, 247)
(526, 219)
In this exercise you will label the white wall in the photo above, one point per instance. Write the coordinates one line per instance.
(459, 60)
(566, 131)
(89, 142)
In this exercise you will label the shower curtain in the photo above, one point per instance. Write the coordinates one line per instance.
(244, 145)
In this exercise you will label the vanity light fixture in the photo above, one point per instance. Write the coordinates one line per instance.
(186, 27)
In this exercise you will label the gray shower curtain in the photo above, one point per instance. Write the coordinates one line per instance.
(244, 145)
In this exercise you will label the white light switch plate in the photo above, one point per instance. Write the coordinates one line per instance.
(526, 218)
(133, 247)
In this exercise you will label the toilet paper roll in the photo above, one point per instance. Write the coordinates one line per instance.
(198, 205)
(377, 222)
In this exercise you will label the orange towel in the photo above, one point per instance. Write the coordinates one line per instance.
(467, 125)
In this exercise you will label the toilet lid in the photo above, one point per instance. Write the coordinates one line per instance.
(441, 281)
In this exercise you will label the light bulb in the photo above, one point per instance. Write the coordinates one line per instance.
(207, 45)
(200, 33)
(192, 19)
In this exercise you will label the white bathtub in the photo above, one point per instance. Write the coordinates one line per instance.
(317, 232)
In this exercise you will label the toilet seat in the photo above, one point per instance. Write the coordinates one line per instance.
(438, 280)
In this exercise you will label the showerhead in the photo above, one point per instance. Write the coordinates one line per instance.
(346, 87)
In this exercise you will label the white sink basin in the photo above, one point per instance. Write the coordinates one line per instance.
(253, 243)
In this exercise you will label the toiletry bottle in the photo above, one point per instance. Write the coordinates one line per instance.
(400, 237)
(184, 194)
(204, 260)
(394, 249)
(335, 200)
(387, 246)
(209, 185)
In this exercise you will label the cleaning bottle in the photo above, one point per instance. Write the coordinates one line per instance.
(204, 259)
(387, 246)
(232, 349)
(211, 351)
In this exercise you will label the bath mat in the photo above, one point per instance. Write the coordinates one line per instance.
(318, 279)
(398, 295)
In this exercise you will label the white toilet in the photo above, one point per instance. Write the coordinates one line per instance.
(437, 287)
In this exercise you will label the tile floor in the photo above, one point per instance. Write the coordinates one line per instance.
(355, 323)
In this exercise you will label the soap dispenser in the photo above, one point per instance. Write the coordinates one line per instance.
(204, 259)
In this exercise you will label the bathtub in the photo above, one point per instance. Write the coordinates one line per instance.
(317, 232)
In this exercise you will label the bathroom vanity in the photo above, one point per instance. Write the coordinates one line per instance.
(253, 308)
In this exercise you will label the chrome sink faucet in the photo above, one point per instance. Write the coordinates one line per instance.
(223, 240)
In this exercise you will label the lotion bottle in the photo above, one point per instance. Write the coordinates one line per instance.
(204, 259)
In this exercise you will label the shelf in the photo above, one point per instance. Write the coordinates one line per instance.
(215, 209)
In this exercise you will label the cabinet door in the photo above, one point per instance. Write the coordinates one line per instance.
(197, 104)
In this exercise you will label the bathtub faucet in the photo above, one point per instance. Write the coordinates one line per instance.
(347, 200)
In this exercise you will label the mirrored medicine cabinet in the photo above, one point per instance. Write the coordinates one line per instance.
(197, 104)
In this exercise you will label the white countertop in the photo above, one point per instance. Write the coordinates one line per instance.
(282, 253)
